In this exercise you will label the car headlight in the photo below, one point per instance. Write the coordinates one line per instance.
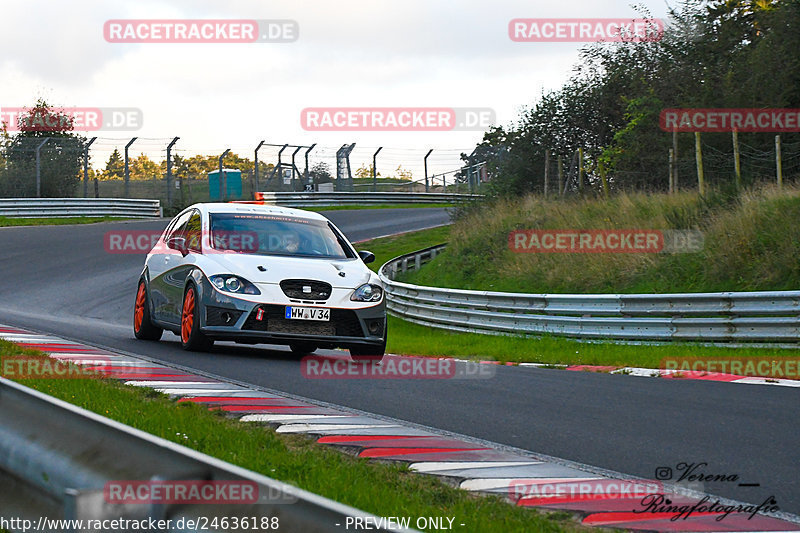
(234, 284)
(367, 293)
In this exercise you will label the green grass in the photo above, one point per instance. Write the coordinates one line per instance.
(382, 206)
(752, 243)
(387, 248)
(412, 339)
(407, 338)
(13, 221)
(380, 488)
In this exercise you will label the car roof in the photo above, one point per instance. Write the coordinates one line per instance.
(261, 209)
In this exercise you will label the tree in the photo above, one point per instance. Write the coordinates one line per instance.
(115, 167)
(320, 173)
(365, 172)
(60, 157)
(142, 168)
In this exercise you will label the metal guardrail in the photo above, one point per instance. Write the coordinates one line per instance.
(57, 458)
(772, 316)
(80, 207)
(311, 199)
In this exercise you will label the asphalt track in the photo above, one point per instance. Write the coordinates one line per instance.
(60, 280)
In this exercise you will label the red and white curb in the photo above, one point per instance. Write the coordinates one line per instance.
(656, 373)
(475, 466)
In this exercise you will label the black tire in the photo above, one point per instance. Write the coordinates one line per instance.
(368, 353)
(192, 339)
(143, 327)
(303, 348)
(371, 353)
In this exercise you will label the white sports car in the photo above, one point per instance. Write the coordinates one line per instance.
(260, 274)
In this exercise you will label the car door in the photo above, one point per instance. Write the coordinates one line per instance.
(160, 266)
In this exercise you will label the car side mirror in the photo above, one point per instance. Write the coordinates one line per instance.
(177, 243)
(367, 257)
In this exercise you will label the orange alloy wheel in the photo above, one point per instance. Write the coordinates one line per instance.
(187, 319)
(138, 312)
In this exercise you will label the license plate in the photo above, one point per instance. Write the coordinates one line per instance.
(308, 313)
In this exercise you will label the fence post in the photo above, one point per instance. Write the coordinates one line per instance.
(602, 171)
(671, 171)
(222, 181)
(580, 169)
(675, 156)
(425, 160)
(308, 180)
(561, 184)
(737, 167)
(778, 162)
(86, 167)
(39, 168)
(169, 171)
(546, 171)
(127, 171)
(375, 170)
(255, 169)
(698, 155)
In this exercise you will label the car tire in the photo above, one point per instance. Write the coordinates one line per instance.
(143, 327)
(303, 348)
(192, 339)
(368, 353)
(371, 353)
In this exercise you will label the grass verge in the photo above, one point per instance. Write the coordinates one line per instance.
(412, 339)
(379, 488)
(751, 243)
(381, 206)
(13, 221)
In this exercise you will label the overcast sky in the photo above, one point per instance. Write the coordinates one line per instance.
(415, 53)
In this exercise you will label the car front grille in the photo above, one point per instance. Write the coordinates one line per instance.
(306, 289)
(343, 323)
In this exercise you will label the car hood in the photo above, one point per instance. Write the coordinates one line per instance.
(279, 268)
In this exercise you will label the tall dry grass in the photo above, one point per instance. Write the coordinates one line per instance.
(752, 242)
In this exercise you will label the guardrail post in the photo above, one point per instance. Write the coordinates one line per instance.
(169, 170)
(39, 169)
(127, 169)
(417, 262)
(86, 167)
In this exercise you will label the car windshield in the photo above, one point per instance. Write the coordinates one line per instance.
(276, 235)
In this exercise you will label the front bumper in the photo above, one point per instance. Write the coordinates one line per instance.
(226, 317)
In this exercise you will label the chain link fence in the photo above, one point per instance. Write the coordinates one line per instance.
(133, 167)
